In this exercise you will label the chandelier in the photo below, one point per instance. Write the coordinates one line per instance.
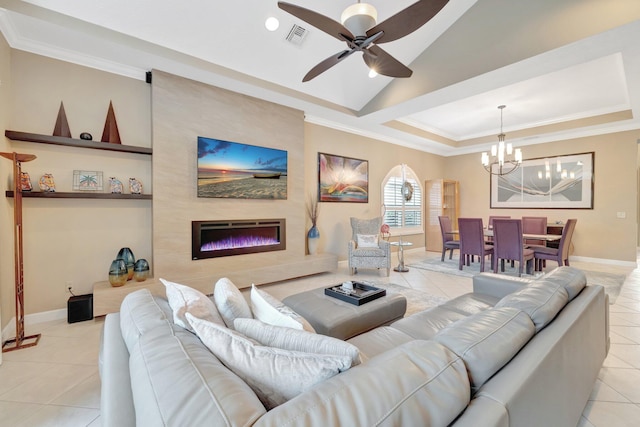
(502, 155)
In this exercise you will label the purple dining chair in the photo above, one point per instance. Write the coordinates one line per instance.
(508, 245)
(561, 254)
(472, 241)
(448, 242)
(534, 225)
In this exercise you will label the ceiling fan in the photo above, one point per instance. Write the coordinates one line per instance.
(362, 34)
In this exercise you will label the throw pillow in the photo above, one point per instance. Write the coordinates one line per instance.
(271, 310)
(183, 299)
(367, 240)
(275, 375)
(230, 302)
(296, 340)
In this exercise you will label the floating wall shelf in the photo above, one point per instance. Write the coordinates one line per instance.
(80, 195)
(72, 142)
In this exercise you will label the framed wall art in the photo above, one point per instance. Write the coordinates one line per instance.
(342, 179)
(240, 171)
(87, 180)
(561, 182)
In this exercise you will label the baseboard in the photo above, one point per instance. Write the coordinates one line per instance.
(9, 331)
(603, 261)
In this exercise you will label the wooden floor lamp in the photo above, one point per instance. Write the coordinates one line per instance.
(20, 341)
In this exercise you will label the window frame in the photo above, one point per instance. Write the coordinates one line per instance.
(411, 176)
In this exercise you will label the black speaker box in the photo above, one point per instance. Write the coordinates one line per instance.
(80, 308)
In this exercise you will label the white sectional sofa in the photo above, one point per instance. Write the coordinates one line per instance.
(511, 353)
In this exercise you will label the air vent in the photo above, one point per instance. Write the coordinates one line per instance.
(296, 35)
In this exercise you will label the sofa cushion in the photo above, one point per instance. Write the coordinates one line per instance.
(271, 310)
(296, 340)
(420, 383)
(140, 313)
(184, 299)
(176, 381)
(487, 341)
(230, 302)
(424, 325)
(572, 279)
(541, 300)
(379, 340)
(471, 303)
(275, 375)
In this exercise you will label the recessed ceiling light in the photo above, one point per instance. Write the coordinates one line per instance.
(272, 23)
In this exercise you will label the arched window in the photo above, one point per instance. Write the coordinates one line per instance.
(403, 216)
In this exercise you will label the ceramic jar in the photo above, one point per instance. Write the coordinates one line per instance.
(126, 255)
(141, 270)
(118, 273)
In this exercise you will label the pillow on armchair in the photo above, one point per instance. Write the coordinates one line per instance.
(367, 240)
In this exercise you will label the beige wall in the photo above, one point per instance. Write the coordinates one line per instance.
(333, 224)
(183, 110)
(599, 233)
(68, 239)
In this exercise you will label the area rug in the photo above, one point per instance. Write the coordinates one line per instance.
(612, 283)
(416, 300)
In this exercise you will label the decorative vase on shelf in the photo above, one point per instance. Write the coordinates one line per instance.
(141, 270)
(313, 238)
(126, 255)
(118, 273)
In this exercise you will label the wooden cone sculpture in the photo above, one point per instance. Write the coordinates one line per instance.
(110, 133)
(62, 126)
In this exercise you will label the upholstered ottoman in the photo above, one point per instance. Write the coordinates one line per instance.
(333, 317)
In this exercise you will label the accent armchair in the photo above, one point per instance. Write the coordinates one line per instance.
(366, 248)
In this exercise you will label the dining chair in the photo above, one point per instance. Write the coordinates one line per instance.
(448, 242)
(534, 225)
(489, 239)
(493, 217)
(559, 254)
(472, 241)
(508, 245)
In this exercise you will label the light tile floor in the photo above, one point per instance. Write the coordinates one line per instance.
(56, 383)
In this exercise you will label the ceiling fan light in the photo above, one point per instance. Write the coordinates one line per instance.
(359, 17)
(372, 73)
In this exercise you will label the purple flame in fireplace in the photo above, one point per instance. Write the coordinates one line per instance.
(239, 242)
(211, 239)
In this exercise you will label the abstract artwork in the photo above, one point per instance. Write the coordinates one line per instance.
(561, 182)
(240, 171)
(342, 179)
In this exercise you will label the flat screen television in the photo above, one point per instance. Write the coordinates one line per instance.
(240, 171)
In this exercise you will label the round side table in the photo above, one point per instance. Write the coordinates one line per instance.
(401, 267)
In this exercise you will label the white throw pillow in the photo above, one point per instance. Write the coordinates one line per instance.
(183, 299)
(230, 302)
(271, 310)
(296, 340)
(275, 375)
(367, 240)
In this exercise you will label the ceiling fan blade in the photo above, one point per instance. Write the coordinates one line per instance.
(319, 21)
(379, 60)
(326, 64)
(408, 20)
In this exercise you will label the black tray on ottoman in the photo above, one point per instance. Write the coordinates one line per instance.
(361, 293)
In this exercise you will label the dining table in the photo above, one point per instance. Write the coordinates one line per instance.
(547, 237)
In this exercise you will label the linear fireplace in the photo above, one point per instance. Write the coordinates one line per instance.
(211, 239)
